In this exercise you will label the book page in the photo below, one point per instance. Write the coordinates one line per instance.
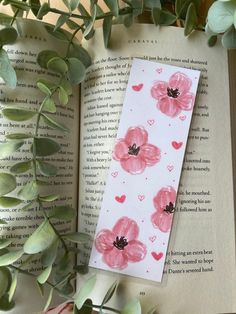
(200, 260)
(20, 224)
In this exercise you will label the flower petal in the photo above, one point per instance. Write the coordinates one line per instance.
(135, 251)
(168, 106)
(180, 81)
(133, 165)
(126, 227)
(162, 221)
(150, 153)
(185, 101)
(221, 16)
(136, 135)
(164, 197)
(104, 240)
(116, 259)
(159, 90)
(120, 150)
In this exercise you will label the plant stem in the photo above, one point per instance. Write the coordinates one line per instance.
(96, 306)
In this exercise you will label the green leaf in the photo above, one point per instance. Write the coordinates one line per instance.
(43, 277)
(113, 6)
(76, 71)
(49, 300)
(67, 86)
(109, 293)
(27, 206)
(44, 56)
(80, 53)
(41, 239)
(156, 13)
(74, 4)
(5, 305)
(18, 136)
(54, 124)
(58, 65)
(107, 25)
(152, 4)
(62, 95)
(63, 212)
(66, 290)
(16, 114)
(62, 268)
(12, 288)
(191, 20)
(137, 7)
(89, 27)
(21, 167)
(72, 24)
(84, 291)
(46, 168)
(61, 21)
(7, 72)
(153, 310)
(4, 243)
(128, 20)
(3, 222)
(5, 19)
(212, 40)
(49, 105)
(7, 183)
(87, 308)
(229, 38)
(49, 198)
(10, 257)
(81, 269)
(132, 307)
(9, 202)
(50, 254)
(44, 9)
(43, 86)
(8, 36)
(180, 5)
(41, 289)
(29, 191)
(167, 18)
(5, 280)
(35, 6)
(45, 146)
(8, 148)
(77, 237)
(59, 33)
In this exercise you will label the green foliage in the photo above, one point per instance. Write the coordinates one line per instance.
(16, 114)
(45, 146)
(10, 257)
(132, 307)
(63, 212)
(7, 183)
(84, 292)
(7, 72)
(77, 237)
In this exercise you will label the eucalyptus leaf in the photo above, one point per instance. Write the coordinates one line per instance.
(137, 7)
(12, 288)
(5, 280)
(7, 183)
(62, 268)
(212, 40)
(77, 51)
(61, 21)
(49, 105)
(63, 212)
(16, 114)
(167, 18)
(74, 4)
(45, 146)
(9, 202)
(128, 20)
(18, 136)
(43, 86)
(5, 19)
(49, 300)
(7, 72)
(44, 9)
(10, 147)
(5, 305)
(41, 238)
(58, 65)
(67, 86)
(191, 20)
(81, 269)
(152, 4)
(46, 168)
(4, 243)
(62, 95)
(156, 13)
(107, 25)
(59, 33)
(44, 56)
(76, 70)
(43, 277)
(29, 191)
(113, 6)
(54, 124)
(66, 290)
(132, 307)
(35, 6)
(229, 38)
(10, 257)
(49, 198)
(84, 291)
(109, 293)
(87, 308)
(72, 24)
(8, 35)
(49, 255)
(77, 237)
(89, 27)
(41, 288)
(27, 206)
(21, 167)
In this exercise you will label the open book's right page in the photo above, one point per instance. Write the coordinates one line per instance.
(199, 275)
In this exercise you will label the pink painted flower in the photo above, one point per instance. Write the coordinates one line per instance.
(134, 152)
(164, 204)
(174, 96)
(120, 245)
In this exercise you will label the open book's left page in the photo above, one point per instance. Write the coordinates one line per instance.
(20, 224)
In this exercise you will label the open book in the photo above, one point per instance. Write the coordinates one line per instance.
(200, 272)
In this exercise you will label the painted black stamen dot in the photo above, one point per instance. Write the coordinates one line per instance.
(133, 150)
(120, 243)
(173, 93)
(169, 208)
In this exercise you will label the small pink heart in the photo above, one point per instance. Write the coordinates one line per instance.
(120, 199)
(157, 256)
(114, 174)
(151, 121)
(141, 197)
(176, 145)
(138, 87)
(153, 238)
(182, 118)
(170, 167)
(159, 70)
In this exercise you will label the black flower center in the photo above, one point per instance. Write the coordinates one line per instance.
(169, 208)
(173, 93)
(120, 243)
(133, 150)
